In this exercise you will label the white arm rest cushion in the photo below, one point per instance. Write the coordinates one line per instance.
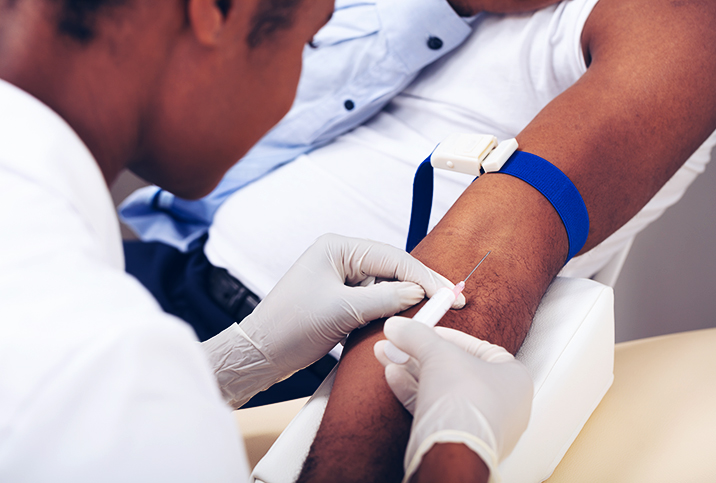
(569, 352)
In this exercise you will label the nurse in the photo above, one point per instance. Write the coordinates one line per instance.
(96, 382)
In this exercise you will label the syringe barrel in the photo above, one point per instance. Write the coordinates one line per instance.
(435, 308)
(429, 314)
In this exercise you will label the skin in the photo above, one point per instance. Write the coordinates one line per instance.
(450, 463)
(468, 8)
(645, 104)
(165, 90)
(170, 89)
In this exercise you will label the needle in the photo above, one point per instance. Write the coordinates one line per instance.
(479, 263)
(461, 285)
(431, 313)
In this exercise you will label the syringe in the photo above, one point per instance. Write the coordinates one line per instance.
(431, 313)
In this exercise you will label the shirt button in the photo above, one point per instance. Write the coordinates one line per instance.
(349, 105)
(435, 43)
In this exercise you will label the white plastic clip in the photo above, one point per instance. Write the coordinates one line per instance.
(472, 153)
(497, 158)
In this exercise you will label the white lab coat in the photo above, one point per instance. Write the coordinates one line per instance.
(96, 382)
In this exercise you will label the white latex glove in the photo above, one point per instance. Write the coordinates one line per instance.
(314, 307)
(460, 389)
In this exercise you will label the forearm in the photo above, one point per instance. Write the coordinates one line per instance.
(508, 217)
(364, 430)
(449, 463)
(529, 245)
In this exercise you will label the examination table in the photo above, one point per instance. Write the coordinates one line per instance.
(657, 423)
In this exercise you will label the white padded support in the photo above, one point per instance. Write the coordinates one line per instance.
(569, 352)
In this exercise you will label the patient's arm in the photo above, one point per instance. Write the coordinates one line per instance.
(645, 104)
(450, 462)
(364, 427)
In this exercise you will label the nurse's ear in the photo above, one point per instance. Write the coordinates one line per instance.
(207, 19)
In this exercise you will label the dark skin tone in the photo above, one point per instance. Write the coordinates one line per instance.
(171, 90)
(451, 463)
(468, 8)
(162, 85)
(128, 93)
(647, 101)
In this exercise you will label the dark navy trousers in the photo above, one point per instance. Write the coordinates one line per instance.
(179, 282)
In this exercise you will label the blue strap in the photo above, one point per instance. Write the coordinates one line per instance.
(533, 170)
(559, 190)
(422, 204)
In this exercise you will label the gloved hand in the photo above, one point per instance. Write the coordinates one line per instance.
(315, 306)
(460, 389)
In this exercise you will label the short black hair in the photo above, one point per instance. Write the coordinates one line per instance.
(271, 16)
(77, 17)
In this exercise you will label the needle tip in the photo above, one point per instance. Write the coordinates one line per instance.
(473, 270)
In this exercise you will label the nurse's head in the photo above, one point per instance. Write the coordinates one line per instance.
(176, 90)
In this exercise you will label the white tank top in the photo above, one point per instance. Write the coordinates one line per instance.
(505, 73)
(361, 184)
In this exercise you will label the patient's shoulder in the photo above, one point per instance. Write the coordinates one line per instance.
(650, 29)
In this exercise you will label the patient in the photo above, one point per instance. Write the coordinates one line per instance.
(598, 89)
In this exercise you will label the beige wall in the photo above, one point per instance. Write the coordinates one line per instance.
(668, 283)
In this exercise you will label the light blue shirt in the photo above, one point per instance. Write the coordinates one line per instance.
(368, 52)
